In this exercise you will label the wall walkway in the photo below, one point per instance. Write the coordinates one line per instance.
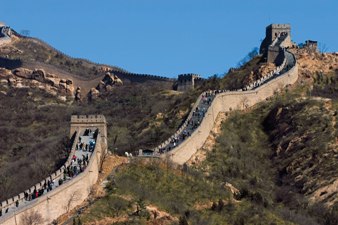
(225, 101)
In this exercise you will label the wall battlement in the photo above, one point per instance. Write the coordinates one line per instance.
(88, 119)
(279, 26)
(187, 81)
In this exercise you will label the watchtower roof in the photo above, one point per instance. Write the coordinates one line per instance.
(88, 119)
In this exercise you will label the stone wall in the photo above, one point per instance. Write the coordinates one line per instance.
(70, 194)
(275, 55)
(226, 102)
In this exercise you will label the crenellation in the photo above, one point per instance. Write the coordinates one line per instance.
(187, 81)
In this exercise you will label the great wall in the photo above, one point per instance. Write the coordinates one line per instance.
(73, 192)
(64, 197)
(180, 149)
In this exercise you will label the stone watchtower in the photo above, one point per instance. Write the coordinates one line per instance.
(272, 32)
(270, 47)
(187, 82)
(79, 123)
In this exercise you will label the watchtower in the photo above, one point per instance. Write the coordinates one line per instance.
(311, 46)
(79, 123)
(186, 82)
(272, 32)
(275, 30)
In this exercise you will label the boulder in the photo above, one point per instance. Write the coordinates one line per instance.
(108, 81)
(49, 75)
(34, 83)
(3, 82)
(101, 86)
(63, 86)
(109, 87)
(93, 94)
(39, 75)
(69, 82)
(22, 72)
(11, 81)
(50, 81)
(62, 98)
(117, 81)
(78, 94)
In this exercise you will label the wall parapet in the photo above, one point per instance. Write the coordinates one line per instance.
(225, 102)
(286, 73)
(88, 119)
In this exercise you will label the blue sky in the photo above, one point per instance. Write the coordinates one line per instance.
(168, 37)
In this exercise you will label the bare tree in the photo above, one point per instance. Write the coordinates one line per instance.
(74, 197)
(31, 218)
(244, 102)
(322, 47)
(25, 32)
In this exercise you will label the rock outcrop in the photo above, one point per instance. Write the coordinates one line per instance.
(24, 73)
(53, 84)
(93, 94)
(37, 78)
(108, 81)
(78, 94)
(107, 84)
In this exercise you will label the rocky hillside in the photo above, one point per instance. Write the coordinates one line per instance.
(61, 74)
(39, 92)
(276, 163)
(304, 139)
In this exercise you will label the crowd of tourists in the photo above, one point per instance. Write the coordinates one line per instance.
(79, 161)
(195, 120)
(207, 98)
